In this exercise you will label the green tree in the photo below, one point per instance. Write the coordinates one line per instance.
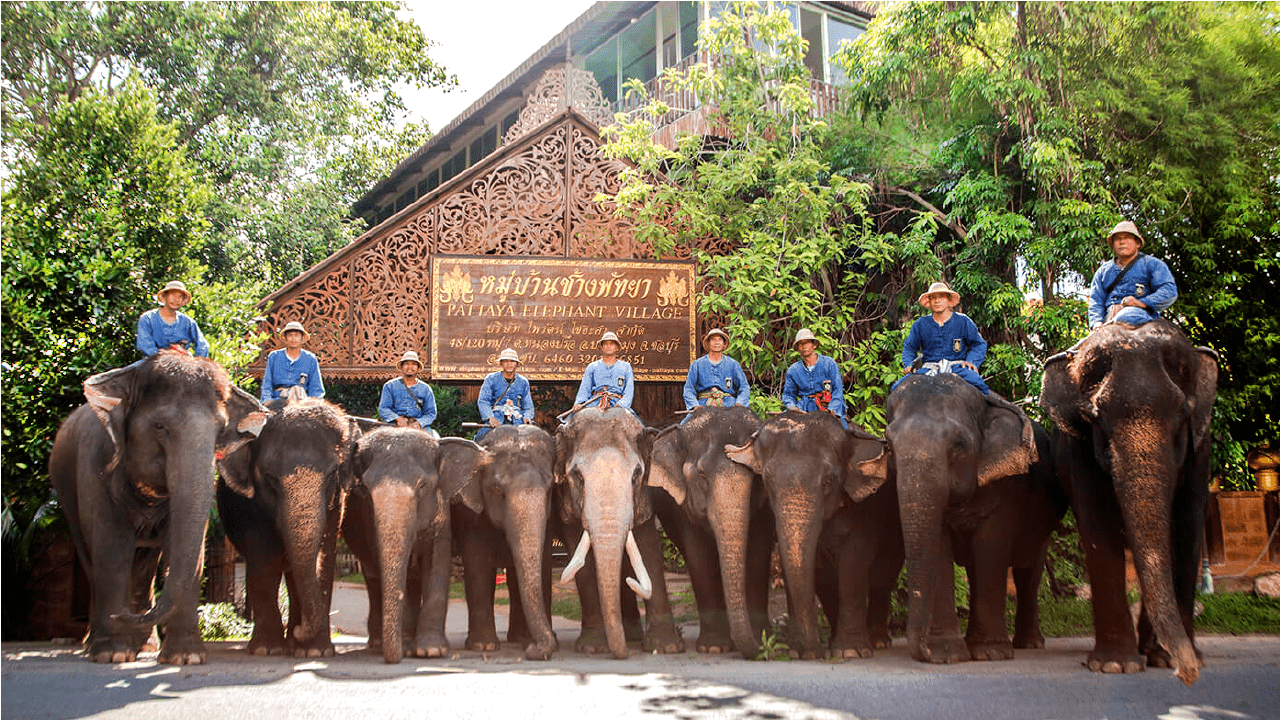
(100, 215)
(288, 109)
(1026, 131)
(803, 251)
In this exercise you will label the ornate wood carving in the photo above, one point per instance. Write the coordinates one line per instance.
(594, 229)
(321, 306)
(560, 88)
(391, 281)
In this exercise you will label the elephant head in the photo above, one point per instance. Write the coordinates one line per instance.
(299, 468)
(162, 422)
(600, 465)
(945, 439)
(809, 464)
(515, 490)
(406, 481)
(1132, 408)
(689, 463)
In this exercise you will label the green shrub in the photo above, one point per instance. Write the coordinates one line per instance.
(1239, 613)
(221, 621)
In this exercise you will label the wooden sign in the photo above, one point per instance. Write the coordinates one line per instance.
(552, 311)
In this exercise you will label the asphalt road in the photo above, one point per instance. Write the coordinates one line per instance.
(1241, 680)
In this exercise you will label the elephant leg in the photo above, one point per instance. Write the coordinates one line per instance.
(849, 635)
(987, 636)
(478, 574)
(591, 640)
(1026, 623)
(885, 572)
(703, 563)
(632, 623)
(429, 640)
(111, 640)
(262, 588)
(146, 564)
(662, 634)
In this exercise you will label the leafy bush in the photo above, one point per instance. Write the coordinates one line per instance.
(1238, 613)
(221, 621)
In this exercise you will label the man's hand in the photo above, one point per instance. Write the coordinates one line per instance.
(493, 422)
(1131, 301)
(966, 363)
(576, 407)
(402, 421)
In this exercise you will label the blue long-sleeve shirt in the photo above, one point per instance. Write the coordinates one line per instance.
(400, 400)
(282, 373)
(956, 339)
(1148, 280)
(802, 382)
(495, 392)
(727, 375)
(616, 378)
(154, 334)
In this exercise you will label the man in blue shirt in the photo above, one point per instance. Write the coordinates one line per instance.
(945, 340)
(407, 401)
(1133, 288)
(167, 328)
(291, 371)
(505, 397)
(813, 382)
(715, 378)
(607, 380)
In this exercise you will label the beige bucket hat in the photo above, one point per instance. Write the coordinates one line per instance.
(609, 335)
(295, 325)
(714, 332)
(1126, 226)
(508, 354)
(939, 288)
(804, 334)
(409, 356)
(174, 285)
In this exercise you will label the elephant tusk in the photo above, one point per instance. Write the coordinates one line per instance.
(579, 559)
(644, 587)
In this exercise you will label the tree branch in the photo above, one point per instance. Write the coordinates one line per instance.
(953, 225)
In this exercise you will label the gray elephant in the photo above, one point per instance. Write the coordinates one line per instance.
(603, 506)
(962, 462)
(280, 500)
(509, 530)
(716, 513)
(847, 553)
(397, 524)
(138, 460)
(1132, 446)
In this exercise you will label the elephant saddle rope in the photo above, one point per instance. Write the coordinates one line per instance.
(604, 396)
(822, 399)
(714, 397)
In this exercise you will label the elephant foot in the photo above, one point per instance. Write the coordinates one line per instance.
(592, 642)
(991, 650)
(1113, 662)
(852, 648)
(540, 651)
(664, 639)
(1028, 641)
(111, 650)
(941, 651)
(317, 648)
(806, 654)
(434, 645)
(482, 642)
(174, 651)
(714, 644)
(882, 643)
(264, 643)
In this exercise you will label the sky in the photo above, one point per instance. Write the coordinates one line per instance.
(481, 42)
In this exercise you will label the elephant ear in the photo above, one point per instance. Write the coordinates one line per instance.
(644, 445)
(868, 465)
(666, 465)
(1061, 395)
(1205, 366)
(1008, 441)
(745, 454)
(245, 419)
(461, 464)
(564, 441)
(111, 394)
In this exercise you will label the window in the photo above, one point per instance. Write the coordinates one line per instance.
(429, 183)
(603, 64)
(404, 200)
(839, 31)
(688, 29)
(453, 166)
(509, 122)
(637, 51)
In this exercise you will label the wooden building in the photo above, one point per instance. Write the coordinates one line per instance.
(515, 176)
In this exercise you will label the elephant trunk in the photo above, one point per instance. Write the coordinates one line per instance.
(798, 524)
(192, 485)
(306, 511)
(1145, 494)
(394, 508)
(729, 515)
(526, 536)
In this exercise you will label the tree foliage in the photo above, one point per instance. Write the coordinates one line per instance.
(1029, 129)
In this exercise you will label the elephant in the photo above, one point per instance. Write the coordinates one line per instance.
(603, 506)
(398, 526)
(280, 499)
(509, 529)
(848, 553)
(1132, 408)
(969, 490)
(138, 460)
(716, 513)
